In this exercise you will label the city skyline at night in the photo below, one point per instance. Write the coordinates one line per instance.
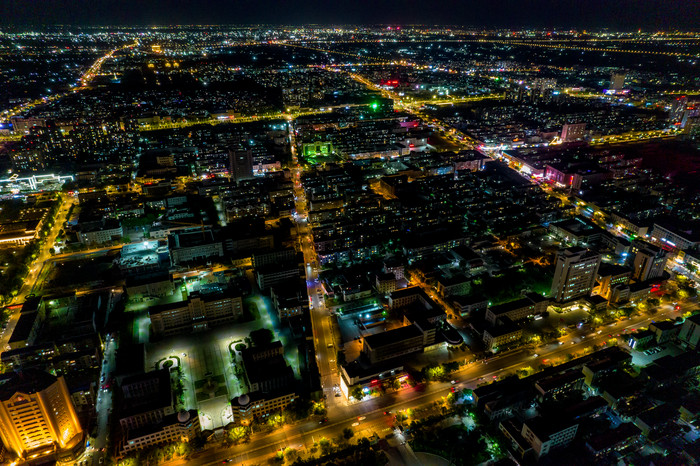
(623, 15)
(367, 233)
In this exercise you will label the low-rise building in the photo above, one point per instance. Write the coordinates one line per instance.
(109, 230)
(546, 434)
(193, 244)
(289, 300)
(577, 231)
(634, 292)
(654, 420)
(690, 332)
(359, 373)
(641, 339)
(453, 284)
(257, 405)
(467, 305)
(272, 275)
(177, 427)
(665, 330)
(672, 237)
(531, 305)
(501, 335)
(146, 399)
(601, 445)
(156, 285)
(199, 312)
(279, 256)
(26, 330)
(558, 385)
(266, 368)
(394, 266)
(406, 296)
(609, 276)
(385, 282)
(393, 343)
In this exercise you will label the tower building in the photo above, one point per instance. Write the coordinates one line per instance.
(37, 416)
(575, 274)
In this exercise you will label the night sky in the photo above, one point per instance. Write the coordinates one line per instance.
(593, 14)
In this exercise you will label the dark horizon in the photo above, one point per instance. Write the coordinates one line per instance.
(622, 15)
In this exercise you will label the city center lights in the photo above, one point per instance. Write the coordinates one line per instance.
(255, 243)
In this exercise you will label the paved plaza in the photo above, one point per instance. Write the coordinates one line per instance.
(209, 375)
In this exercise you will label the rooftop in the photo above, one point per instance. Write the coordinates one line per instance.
(392, 336)
(26, 381)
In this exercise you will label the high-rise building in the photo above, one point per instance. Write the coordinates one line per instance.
(678, 109)
(573, 132)
(241, 164)
(617, 80)
(37, 416)
(648, 261)
(575, 274)
(544, 84)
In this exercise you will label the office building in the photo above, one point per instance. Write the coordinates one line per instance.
(609, 276)
(531, 305)
(240, 164)
(272, 275)
(674, 237)
(648, 261)
(146, 399)
(401, 341)
(197, 313)
(573, 132)
(504, 334)
(193, 244)
(575, 274)
(37, 416)
(266, 368)
(257, 405)
(110, 230)
(617, 80)
(177, 427)
(289, 300)
(545, 434)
